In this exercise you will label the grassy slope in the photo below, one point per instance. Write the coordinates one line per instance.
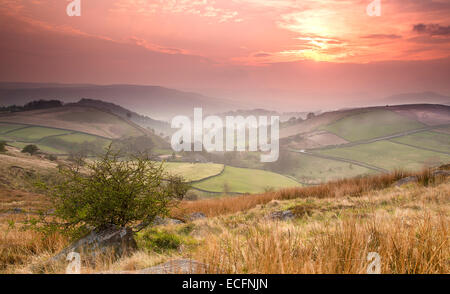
(49, 140)
(332, 233)
(433, 140)
(81, 119)
(70, 120)
(315, 170)
(389, 155)
(371, 124)
(242, 180)
(193, 171)
(32, 134)
(8, 127)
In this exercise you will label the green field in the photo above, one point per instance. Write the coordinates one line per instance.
(50, 140)
(389, 155)
(193, 171)
(371, 125)
(9, 127)
(243, 180)
(432, 140)
(314, 170)
(32, 134)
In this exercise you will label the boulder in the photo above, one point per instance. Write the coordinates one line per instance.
(273, 203)
(160, 221)
(405, 181)
(282, 215)
(441, 173)
(196, 216)
(179, 266)
(17, 210)
(109, 240)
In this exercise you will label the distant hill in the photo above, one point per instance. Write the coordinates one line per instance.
(78, 118)
(60, 130)
(413, 98)
(155, 101)
(141, 120)
(285, 116)
(84, 119)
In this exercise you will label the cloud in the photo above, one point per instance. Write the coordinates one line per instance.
(432, 29)
(262, 54)
(203, 8)
(381, 36)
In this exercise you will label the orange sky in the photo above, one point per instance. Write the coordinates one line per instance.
(226, 44)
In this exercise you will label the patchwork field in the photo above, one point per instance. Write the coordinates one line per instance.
(313, 170)
(431, 140)
(371, 125)
(49, 140)
(431, 115)
(32, 134)
(193, 171)
(4, 128)
(81, 119)
(389, 155)
(243, 180)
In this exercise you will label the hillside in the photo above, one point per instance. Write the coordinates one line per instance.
(330, 228)
(141, 120)
(77, 118)
(411, 98)
(59, 130)
(364, 141)
(156, 102)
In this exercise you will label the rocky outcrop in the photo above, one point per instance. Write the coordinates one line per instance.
(405, 181)
(109, 240)
(282, 215)
(159, 221)
(180, 266)
(197, 215)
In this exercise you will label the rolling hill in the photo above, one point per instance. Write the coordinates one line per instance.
(60, 130)
(157, 102)
(367, 140)
(141, 120)
(412, 98)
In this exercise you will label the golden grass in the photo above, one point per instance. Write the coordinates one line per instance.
(19, 248)
(407, 228)
(336, 226)
(345, 187)
(421, 247)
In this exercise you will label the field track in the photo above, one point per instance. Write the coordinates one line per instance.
(362, 164)
(393, 136)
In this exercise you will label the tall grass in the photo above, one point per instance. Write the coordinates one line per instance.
(353, 187)
(420, 247)
(18, 248)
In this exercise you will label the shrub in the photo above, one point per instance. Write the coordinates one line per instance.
(31, 149)
(2, 146)
(191, 196)
(110, 191)
(160, 240)
(51, 157)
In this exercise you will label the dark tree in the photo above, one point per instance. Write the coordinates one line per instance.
(31, 149)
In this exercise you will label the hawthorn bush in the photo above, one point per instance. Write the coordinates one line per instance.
(111, 191)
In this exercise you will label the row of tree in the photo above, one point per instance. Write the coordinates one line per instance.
(33, 105)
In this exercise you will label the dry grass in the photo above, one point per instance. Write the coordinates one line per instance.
(421, 247)
(336, 226)
(19, 248)
(407, 228)
(353, 187)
